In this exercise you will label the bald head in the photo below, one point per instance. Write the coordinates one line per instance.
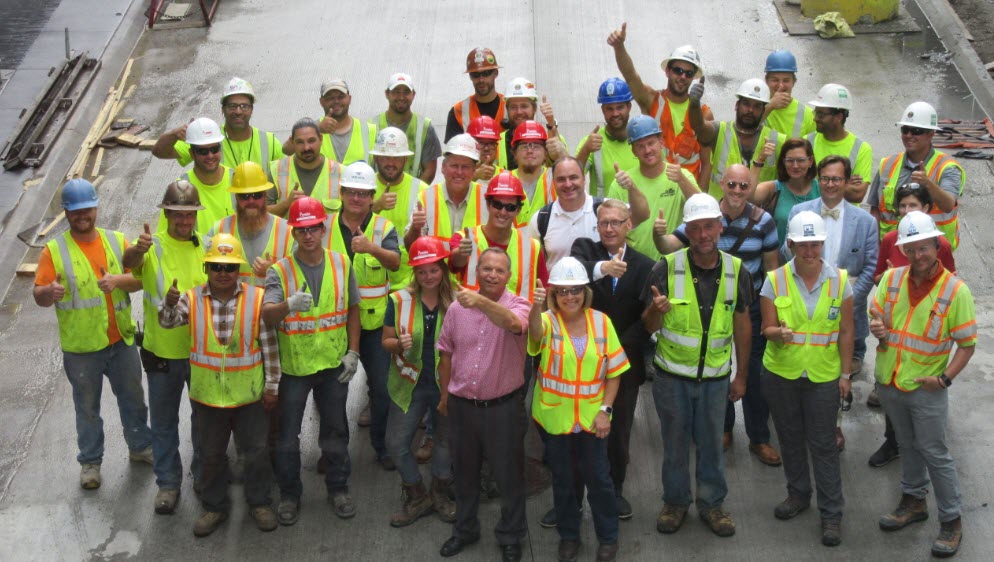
(735, 172)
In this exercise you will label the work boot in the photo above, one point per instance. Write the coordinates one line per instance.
(89, 476)
(364, 417)
(209, 521)
(607, 552)
(265, 518)
(423, 453)
(165, 501)
(873, 400)
(568, 550)
(671, 518)
(726, 440)
(886, 453)
(766, 454)
(790, 507)
(719, 521)
(950, 535)
(910, 510)
(440, 500)
(831, 532)
(417, 504)
(145, 455)
(288, 511)
(343, 505)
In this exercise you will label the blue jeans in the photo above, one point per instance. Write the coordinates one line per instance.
(754, 407)
(122, 367)
(401, 427)
(250, 425)
(691, 412)
(376, 363)
(591, 456)
(861, 326)
(330, 397)
(165, 391)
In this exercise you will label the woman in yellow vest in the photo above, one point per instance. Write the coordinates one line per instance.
(807, 308)
(412, 321)
(580, 361)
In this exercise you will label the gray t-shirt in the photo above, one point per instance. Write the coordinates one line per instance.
(255, 244)
(340, 142)
(307, 177)
(313, 275)
(810, 297)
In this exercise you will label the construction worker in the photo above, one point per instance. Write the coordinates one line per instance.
(421, 136)
(371, 243)
(242, 141)
(530, 149)
(573, 402)
(313, 301)
(522, 105)
(831, 111)
(607, 145)
(82, 275)
(914, 371)
(344, 139)
(156, 260)
(682, 299)
(487, 134)
(396, 197)
(482, 68)
(211, 178)
(234, 380)
(941, 175)
(664, 185)
(784, 113)
(743, 141)
(305, 172)
(264, 237)
(669, 107)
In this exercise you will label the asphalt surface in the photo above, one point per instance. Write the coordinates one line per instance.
(286, 51)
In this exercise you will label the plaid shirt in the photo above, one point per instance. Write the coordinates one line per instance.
(223, 320)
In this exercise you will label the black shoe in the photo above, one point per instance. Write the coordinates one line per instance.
(549, 520)
(510, 552)
(455, 545)
(568, 550)
(386, 463)
(886, 453)
(624, 508)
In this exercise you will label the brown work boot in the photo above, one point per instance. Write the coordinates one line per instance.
(766, 454)
(208, 522)
(726, 440)
(790, 507)
(950, 535)
(423, 453)
(910, 510)
(719, 521)
(417, 504)
(265, 517)
(440, 500)
(671, 518)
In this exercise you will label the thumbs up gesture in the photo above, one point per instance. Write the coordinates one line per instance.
(419, 218)
(546, 109)
(673, 172)
(660, 301)
(405, 339)
(144, 242)
(106, 283)
(540, 296)
(300, 301)
(616, 266)
(58, 290)
(659, 225)
(622, 177)
(786, 334)
(386, 202)
(172, 295)
(617, 37)
(262, 264)
(697, 90)
(467, 297)
(877, 325)
(595, 141)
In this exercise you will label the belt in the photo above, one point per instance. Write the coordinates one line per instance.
(491, 402)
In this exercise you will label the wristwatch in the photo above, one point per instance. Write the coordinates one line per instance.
(607, 409)
(553, 125)
(946, 381)
(846, 376)
(758, 164)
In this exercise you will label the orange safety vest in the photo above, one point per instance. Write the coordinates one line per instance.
(467, 110)
(682, 149)
(890, 170)
(524, 252)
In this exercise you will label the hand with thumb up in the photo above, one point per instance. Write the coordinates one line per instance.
(786, 334)
(616, 266)
(58, 290)
(696, 91)
(660, 301)
(172, 295)
(622, 177)
(595, 141)
(540, 296)
(405, 339)
(144, 242)
(877, 326)
(106, 283)
(419, 218)
(659, 225)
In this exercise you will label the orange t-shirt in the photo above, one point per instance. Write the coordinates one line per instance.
(917, 292)
(94, 252)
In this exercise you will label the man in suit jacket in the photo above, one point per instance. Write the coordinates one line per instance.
(619, 273)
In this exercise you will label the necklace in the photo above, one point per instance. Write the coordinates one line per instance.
(232, 150)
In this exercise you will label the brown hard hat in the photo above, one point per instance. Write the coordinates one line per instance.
(481, 58)
(181, 195)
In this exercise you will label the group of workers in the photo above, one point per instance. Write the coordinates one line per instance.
(276, 269)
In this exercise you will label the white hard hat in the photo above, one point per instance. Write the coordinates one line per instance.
(701, 206)
(391, 141)
(916, 226)
(685, 53)
(833, 96)
(238, 86)
(203, 131)
(754, 89)
(463, 145)
(807, 226)
(358, 175)
(922, 115)
(521, 88)
(568, 271)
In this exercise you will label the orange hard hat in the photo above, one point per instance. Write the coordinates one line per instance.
(484, 128)
(426, 250)
(529, 131)
(306, 211)
(481, 58)
(505, 184)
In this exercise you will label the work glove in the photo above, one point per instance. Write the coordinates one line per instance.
(350, 364)
(300, 301)
(696, 90)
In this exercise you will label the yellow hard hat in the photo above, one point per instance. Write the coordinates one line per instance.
(249, 178)
(224, 248)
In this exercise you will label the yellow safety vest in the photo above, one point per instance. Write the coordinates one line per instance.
(600, 164)
(360, 144)
(157, 273)
(417, 133)
(370, 275)
(262, 149)
(215, 199)
(278, 245)
(890, 171)
(569, 389)
(326, 188)
(851, 142)
(407, 202)
(439, 222)
(815, 345)
(680, 345)
(405, 369)
(794, 121)
(524, 253)
(232, 375)
(545, 193)
(726, 152)
(82, 312)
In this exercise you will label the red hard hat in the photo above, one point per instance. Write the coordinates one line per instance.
(484, 128)
(305, 212)
(425, 250)
(481, 58)
(529, 131)
(505, 184)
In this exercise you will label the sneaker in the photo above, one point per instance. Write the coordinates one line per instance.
(624, 508)
(145, 455)
(671, 518)
(208, 523)
(343, 505)
(886, 453)
(909, 510)
(873, 400)
(165, 501)
(790, 507)
(549, 520)
(288, 511)
(265, 518)
(719, 521)
(89, 476)
(831, 533)
(364, 417)
(950, 536)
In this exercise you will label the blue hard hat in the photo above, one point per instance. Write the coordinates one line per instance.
(614, 90)
(78, 194)
(642, 126)
(781, 60)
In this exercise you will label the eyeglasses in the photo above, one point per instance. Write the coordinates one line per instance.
(509, 207)
(828, 180)
(252, 196)
(482, 74)
(305, 230)
(913, 131)
(796, 161)
(242, 106)
(225, 267)
(922, 251)
(743, 185)
(205, 150)
(360, 193)
(530, 146)
(611, 224)
(574, 290)
(683, 71)
(825, 112)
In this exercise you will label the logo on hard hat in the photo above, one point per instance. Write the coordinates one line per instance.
(491, 59)
(306, 216)
(517, 87)
(423, 254)
(610, 88)
(843, 94)
(912, 229)
(530, 86)
(478, 56)
(809, 230)
(935, 120)
(225, 249)
(755, 89)
(911, 114)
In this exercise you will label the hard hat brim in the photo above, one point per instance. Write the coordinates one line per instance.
(356, 185)
(918, 237)
(251, 189)
(818, 238)
(381, 153)
(224, 259)
(178, 207)
(708, 216)
(568, 283)
(305, 223)
(427, 261)
(79, 206)
(456, 152)
(918, 125)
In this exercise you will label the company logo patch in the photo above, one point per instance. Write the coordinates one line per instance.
(808, 230)
(610, 88)
(491, 60)
(912, 229)
(843, 95)
(478, 56)
(911, 114)
(225, 249)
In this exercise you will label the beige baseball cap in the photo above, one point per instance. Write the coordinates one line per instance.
(334, 84)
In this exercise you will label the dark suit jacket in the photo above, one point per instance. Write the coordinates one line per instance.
(622, 305)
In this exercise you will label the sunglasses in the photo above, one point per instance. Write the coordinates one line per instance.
(241, 106)
(509, 207)
(482, 74)
(225, 267)
(574, 290)
(683, 71)
(913, 131)
(252, 196)
(743, 185)
(205, 150)
(303, 230)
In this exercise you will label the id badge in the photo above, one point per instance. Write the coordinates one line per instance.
(833, 312)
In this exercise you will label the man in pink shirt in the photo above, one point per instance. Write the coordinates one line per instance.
(480, 367)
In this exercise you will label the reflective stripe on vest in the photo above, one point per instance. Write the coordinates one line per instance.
(524, 254)
(598, 172)
(371, 276)
(329, 178)
(439, 223)
(555, 381)
(278, 244)
(76, 303)
(890, 172)
(467, 110)
(723, 152)
(853, 152)
(683, 149)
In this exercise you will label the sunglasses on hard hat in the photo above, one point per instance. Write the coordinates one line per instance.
(482, 74)
(205, 150)
(252, 196)
(686, 73)
(913, 131)
(225, 267)
(509, 207)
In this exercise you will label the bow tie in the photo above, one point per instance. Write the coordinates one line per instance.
(826, 212)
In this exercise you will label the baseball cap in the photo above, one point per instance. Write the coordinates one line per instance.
(334, 84)
(400, 79)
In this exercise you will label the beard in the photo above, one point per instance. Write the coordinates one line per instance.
(252, 220)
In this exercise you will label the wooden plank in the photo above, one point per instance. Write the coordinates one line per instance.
(27, 269)
(97, 162)
(129, 140)
(146, 145)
